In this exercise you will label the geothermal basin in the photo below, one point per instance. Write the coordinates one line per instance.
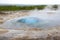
(37, 25)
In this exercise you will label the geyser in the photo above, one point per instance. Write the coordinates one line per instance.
(29, 20)
(37, 18)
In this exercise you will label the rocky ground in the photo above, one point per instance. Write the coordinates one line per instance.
(26, 33)
(30, 34)
(4, 16)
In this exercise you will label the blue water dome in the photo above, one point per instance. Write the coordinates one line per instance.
(25, 22)
(29, 20)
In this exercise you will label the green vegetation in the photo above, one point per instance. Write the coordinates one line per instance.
(55, 6)
(13, 8)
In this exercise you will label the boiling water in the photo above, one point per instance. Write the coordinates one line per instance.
(37, 18)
